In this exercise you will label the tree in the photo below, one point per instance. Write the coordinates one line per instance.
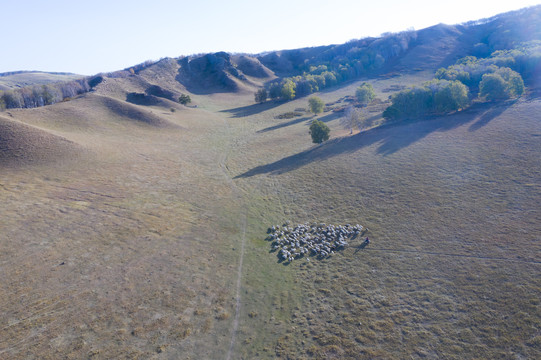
(354, 118)
(515, 84)
(13, 99)
(275, 91)
(316, 105)
(184, 99)
(493, 87)
(504, 83)
(450, 97)
(350, 119)
(261, 96)
(319, 131)
(434, 97)
(365, 94)
(288, 90)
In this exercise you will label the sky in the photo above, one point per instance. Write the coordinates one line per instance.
(89, 37)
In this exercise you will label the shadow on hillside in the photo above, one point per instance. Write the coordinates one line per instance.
(330, 117)
(488, 115)
(287, 123)
(252, 109)
(391, 138)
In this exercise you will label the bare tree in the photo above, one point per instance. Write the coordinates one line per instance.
(350, 119)
(354, 118)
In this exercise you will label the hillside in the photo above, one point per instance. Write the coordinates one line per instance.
(437, 46)
(18, 79)
(311, 69)
(133, 226)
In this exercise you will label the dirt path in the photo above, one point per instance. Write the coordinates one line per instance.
(238, 297)
(242, 216)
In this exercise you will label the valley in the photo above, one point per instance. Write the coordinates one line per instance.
(136, 231)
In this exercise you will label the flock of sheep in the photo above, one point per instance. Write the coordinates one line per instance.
(321, 240)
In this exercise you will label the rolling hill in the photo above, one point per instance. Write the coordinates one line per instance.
(18, 79)
(136, 227)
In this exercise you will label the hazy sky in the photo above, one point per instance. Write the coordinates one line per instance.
(87, 37)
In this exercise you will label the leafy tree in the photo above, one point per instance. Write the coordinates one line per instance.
(365, 94)
(275, 91)
(261, 96)
(50, 95)
(330, 78)
(504, 83)
(450, 96)
(316, 105)
(319, 131)
(288, 90)
(515, 84)
(184, 99)
(493, 87)
(409, 103)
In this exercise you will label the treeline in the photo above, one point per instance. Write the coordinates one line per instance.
(41, 95)
(524, 59)
(436, 96)
(497, 77)
(340, 64)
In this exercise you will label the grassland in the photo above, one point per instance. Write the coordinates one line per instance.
(131, 249)
(27, 78)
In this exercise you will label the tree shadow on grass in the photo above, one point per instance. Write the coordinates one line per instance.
(308, 119)
(391, 138)
(330, 117)
(253, 109)
(287, 123)
(489, 114)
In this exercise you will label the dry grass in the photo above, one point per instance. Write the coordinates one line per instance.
(132, 251)
(23, 144)
(451, 205)
(15, 81)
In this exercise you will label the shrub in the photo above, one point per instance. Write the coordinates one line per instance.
(184, 99)
(319, 131)
(289, 115)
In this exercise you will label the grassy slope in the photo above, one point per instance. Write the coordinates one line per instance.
(132, 251)
(451, 205)
(14, 81)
